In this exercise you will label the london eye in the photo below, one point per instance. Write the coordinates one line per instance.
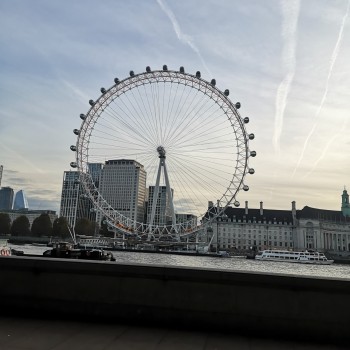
(184, 132)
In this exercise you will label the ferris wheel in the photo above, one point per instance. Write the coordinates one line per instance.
(187, 141)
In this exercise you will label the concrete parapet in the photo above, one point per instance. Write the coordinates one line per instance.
(254, 303)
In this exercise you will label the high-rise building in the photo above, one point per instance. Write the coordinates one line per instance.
(20, 201)
(188, 221)
(1, 169)
(95, 170)
(74, 205)
(123, 186)
(162, 214)
(6, 198)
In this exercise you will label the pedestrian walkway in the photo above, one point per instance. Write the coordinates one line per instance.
(40, 334)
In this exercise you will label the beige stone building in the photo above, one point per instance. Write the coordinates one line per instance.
(308, 228)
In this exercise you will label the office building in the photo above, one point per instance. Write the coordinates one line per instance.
(74, 204)
(95, 170)
(188, 221)
(163, 214)
(1, 170)
(6, 198)
(20, 201)
(123, 186)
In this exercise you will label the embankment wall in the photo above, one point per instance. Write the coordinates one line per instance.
(258, 304)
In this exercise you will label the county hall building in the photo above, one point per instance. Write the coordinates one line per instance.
(308, 228)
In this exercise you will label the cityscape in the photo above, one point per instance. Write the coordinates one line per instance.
(234, 229)
(175, 174)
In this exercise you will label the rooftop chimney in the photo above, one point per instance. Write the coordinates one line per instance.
(261, 208)
(246, 208)
(294, 213)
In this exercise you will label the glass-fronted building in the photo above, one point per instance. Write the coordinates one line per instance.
(74, 205)
(163, 214)
(20, 201)
(6, 198)
(1, 169)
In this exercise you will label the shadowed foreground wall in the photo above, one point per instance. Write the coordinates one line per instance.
(257, 304)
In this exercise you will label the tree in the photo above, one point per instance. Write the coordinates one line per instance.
(20, 226)
(84, 227)
(42, 226)
(60, 227)
(5, 224)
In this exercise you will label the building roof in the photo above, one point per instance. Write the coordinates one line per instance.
(321, 214)
(255, 214)
(276, 215)
(124, 162)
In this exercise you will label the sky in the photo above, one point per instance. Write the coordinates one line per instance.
(286, 62)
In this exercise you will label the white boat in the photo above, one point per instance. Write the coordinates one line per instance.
(306, 257)
(5, 250)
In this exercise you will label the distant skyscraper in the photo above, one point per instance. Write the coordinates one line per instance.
(95, 170)
(6, 198)
(123, 186)
(74, 205)
(1, 169)
(162, 212)
(20, 201)
(187, 220)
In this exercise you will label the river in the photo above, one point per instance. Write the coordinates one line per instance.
(338, 271)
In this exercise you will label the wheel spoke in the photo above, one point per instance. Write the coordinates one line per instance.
(184, 132)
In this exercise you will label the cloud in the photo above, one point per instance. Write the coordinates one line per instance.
(180, 35)
(18, 156)
(328, 144)
(39, 203)
(55, 58)
(316, 117)
(290, 13)
(82, 96)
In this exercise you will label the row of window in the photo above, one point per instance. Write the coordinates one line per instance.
(256, 222)
(234, 235)
(239, 229)
(259, 247)
(244, 241)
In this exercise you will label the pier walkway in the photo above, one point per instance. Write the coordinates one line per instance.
(49, 334)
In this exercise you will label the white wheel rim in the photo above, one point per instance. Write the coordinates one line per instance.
(201, 130)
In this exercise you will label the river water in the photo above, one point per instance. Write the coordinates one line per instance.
(338, 271)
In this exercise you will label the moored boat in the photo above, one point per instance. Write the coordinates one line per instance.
(69, 251)
(306, 257)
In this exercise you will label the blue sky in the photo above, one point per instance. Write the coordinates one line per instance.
(287, 62)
